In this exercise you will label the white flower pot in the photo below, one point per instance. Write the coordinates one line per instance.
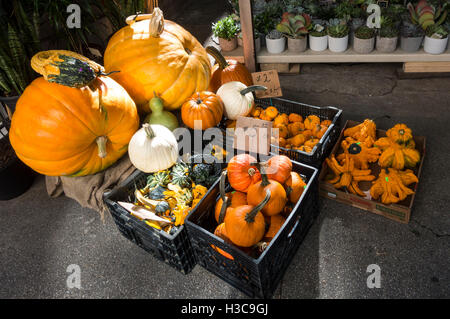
(275, 46)
(435, 46)
(318, 43)
(338, 44)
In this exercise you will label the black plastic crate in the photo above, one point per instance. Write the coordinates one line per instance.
(175, 249)
(258, 277)
(326, 143)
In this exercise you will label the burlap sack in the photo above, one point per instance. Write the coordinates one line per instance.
(88, 190)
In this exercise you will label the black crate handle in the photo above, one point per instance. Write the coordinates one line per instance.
(294, 227)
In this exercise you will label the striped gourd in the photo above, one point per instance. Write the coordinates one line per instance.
(66, 67)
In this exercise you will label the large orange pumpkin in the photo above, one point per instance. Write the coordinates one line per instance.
(204, 106)
(157, 55)
(59, 130)
(225, 71)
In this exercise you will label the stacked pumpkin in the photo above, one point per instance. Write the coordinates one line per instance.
(253, 212)
(293, 132)
(395, 154)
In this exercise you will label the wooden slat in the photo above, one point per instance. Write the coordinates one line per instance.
(426, 67)
(245, 12)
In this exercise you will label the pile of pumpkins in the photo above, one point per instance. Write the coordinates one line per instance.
(80, 117)
(261, 198)
(395, 154)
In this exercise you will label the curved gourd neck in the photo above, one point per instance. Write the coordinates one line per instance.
(250, 217)
(217, 56)
(252, 88)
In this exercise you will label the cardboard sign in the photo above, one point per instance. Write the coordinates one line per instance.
(252, 135)
(270, 80)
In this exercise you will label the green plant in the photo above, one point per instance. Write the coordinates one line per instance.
(387, 28)
(364, 32)
(411, 30)
(274, 34)
(295, 26)
(437, 31)
(225, 28)
(267, 16)
(426, 14)
(19, 41)
(318, 31)
(347, 10)
(337, 28)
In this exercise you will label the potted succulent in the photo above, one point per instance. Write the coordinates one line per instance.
(226, 30)
(337, 35)
(295, 28)
(275, 42)
(318, 38)
(387, 37)
(364, 40)
(436, 39)
(411, 36)
(352, 12)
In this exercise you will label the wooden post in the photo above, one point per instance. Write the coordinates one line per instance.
(245, 12)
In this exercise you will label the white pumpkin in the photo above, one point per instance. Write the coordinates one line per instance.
(237, 98)
(153, 148)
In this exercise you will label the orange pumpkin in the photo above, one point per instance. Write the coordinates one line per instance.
(225, 71)
(294, 117)
(282, 130)
(326, 122)
(319, 130)
(312, 142)
(311, 121)
(276, 222)
(245, 225)
(279, 168)
(256, 193)
(59, 130)
(241, 172)
(234, 199)
(204, 106)
(256, 111)
(296, 128)
(272, 112)
(281, 119)
(297, 140)
(294, 187)
(157, 55)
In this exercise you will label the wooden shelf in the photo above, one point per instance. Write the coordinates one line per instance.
(348, 56)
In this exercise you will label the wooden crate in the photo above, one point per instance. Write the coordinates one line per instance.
(400, 212)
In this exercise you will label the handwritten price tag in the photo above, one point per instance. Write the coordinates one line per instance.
(252, 135)
(270, 80)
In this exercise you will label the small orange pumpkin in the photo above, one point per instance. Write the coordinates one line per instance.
(205, 107)
(294, 117)
(227, 71)
(242, 173)
(282, 130)
(297, 140)
(281, 119)
(296, 128)
(326, 122)
(233, 199)
(245, 225)
(294, 187)
(276, 222)
(271, 112)
(279, 168)
(319, 130)
(311, 121)
(257, 191)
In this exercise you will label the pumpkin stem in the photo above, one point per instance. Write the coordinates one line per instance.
(252, 88)
(262, 171)
(156, 25)
(225, 199)
(148, 130)
(101, 143)
(250, 217)
(217, 56)
(106, 74)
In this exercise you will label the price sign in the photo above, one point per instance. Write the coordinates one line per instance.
(252, 135)
(270, 80)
